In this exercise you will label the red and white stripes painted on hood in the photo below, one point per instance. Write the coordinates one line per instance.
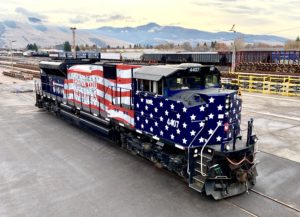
(86, 85)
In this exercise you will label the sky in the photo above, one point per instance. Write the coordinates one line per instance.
(277, 17)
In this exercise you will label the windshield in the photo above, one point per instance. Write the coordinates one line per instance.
(192, 82)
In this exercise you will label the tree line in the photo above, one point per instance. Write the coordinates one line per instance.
(238, 44)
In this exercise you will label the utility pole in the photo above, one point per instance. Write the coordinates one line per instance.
(74, 44)
(234, 49)
(11, 56)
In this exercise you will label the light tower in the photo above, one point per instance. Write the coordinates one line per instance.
(234, 49)
(74, 45)
(11, 56)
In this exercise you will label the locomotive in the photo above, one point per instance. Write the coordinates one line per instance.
(177, 116)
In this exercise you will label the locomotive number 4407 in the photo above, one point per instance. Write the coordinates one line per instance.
(173, 123)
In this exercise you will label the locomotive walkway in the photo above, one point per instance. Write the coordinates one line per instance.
(50, 168)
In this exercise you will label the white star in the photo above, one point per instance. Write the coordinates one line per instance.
(151, 115)
(166, 127)
(146, 107)
(239, 108)
(161, 133)
(211, 116)
(202, 108)
(151, 129)
(210, 132)
(137, 105)
(142, 99)
(142, 113)
(219, 139)
(138, 118)
(193, 133)
(201, 124)
(193, 117)
(219, 123)
(172, 136)
(161, 104)
(166, 113)
(237, 102)
(184, 141)
(220, 107)
(201, 140)
(184, 109)
(172, 106)
(161, 119)
(155, 109)
(178, 131)
(156, 124)
(211, 100)
(178, 116)
(184, 125)
(142, 126)
(146, 121)
(233, 111)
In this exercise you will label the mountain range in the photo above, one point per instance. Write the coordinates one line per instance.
(150, 34)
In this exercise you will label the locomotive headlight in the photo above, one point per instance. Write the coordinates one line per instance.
(196, 151)
(227, 103)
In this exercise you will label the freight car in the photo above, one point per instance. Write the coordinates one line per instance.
(268, 61)
(175, 116)
(215, 58)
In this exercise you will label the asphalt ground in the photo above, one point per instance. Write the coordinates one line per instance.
(51, 168)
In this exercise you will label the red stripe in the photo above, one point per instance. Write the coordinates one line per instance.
(122, 109)
(88, 105)
(126, 67)
(97, 108)
(111, 92)
(86, 73)
(106, 103)
(119, 80)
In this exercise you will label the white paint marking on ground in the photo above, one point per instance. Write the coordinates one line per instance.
(278, 115)
(271, 97)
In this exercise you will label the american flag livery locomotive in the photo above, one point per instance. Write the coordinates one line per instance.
(176, 116)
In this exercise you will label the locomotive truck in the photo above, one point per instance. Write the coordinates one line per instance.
(177, 116)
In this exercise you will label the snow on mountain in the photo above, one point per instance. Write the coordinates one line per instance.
(153, 33)
(45, 35)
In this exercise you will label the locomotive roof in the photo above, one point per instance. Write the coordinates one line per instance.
(155, 73)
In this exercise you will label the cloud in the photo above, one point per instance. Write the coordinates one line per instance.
(113, 17)
(79, 19)
(34, 20)
(31, 16)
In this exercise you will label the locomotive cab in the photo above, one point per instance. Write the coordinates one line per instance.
(169, 80)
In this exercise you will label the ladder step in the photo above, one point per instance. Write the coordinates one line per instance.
(205, 156)
(199, 162)
(198, 170)
(199, 178)
(197, 186)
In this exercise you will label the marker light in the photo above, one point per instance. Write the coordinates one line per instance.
(226, 127)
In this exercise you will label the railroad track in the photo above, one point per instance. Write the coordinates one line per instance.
(251, 213)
